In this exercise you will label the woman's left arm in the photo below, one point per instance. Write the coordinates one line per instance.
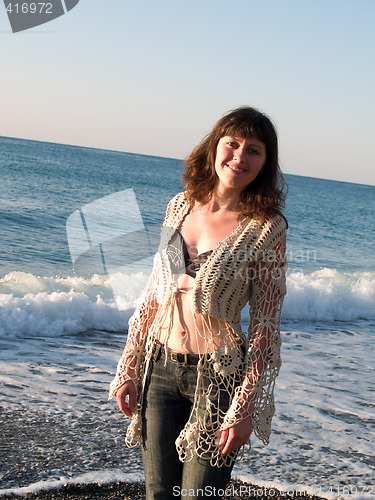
(253, 404)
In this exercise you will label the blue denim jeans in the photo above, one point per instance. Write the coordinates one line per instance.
(168, 400)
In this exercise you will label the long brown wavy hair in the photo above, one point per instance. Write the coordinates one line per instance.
(262, 198)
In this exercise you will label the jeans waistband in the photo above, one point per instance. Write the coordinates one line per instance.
(181, 357)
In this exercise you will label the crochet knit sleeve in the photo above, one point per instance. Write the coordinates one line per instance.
(255, 396)
(128, 367)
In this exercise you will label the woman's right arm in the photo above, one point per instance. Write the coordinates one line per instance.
(139, 324)
(127, 374)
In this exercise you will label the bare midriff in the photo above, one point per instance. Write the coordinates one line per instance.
(184, 336)
(191, 332)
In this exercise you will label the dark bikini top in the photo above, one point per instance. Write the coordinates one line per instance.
(179, 257)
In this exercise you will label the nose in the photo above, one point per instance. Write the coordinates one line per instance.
(238, 154)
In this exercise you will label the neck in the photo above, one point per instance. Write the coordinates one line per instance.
(225, 199)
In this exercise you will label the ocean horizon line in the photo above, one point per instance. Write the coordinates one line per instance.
(167, 158)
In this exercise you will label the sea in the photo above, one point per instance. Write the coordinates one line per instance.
(78, 230)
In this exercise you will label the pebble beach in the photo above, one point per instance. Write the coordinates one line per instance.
(134, 491)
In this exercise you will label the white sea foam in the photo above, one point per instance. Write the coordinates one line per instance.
(56, 313)
(329, 295)
(33, 305)
(106, 476)
(254, 486)
(294, 489)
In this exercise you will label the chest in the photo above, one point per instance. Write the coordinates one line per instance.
(203, 231)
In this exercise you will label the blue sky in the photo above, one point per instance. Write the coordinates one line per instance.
(152, 77)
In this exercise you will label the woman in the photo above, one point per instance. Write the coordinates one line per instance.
(196, 385)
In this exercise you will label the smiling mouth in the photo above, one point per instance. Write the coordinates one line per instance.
(236, 170)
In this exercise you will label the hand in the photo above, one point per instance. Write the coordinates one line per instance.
(127, 390)
(233, 438)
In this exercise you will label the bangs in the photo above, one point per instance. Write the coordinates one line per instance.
(257, 127)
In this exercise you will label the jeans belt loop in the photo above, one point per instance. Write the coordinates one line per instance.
(156, 349)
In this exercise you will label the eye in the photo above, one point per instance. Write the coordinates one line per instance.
(232, 144)
(253, 151)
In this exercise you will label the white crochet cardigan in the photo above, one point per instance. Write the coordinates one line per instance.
(247, 266)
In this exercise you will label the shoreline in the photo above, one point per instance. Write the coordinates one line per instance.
(134, 491)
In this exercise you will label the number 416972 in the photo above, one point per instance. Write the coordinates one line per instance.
(29, 8)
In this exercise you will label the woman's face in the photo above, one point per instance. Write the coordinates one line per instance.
(238, 161)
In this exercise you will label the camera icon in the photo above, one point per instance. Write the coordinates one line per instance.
(26, 14)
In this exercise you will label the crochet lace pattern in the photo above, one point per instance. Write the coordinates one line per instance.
(247, 266)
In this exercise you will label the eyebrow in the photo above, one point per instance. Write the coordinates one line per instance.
(261, 145)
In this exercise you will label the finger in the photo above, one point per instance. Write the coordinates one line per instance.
(124, 407)
(231, 446)
(227, 442)
(228, 448)
(132, 399)
(223, 437)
